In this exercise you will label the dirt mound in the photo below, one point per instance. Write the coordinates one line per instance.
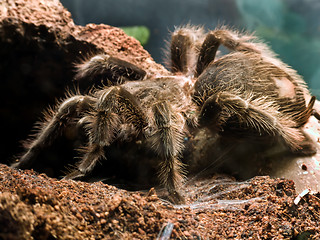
(39, 207)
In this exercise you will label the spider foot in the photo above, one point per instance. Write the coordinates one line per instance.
(15, 164)
(26, 161)
(176, 198)
(307, 149)
(316, 114)
(74, 175)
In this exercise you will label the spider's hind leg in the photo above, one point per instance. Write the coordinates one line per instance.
(236, 41)
(207, 52)
(232, 40)
(68, 111)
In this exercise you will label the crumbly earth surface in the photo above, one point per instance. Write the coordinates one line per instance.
(34, 206)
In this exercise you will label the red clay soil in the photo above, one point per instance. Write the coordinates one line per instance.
(34, 206)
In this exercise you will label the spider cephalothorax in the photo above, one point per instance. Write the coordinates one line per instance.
(247, 93)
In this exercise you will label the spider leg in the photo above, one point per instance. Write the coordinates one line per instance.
(167, 141)
(184, 48)
(70, 109)
(260, 118)
(113, 105)
(305, 113)
(105, 67)
(316, 114)
(232, 40)
(236, 41)
(207, 52)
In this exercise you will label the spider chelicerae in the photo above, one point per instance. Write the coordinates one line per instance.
(247, 93)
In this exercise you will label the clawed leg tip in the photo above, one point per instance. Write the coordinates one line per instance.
(20, 165)
(75, 175)
(15, 165)
(176, 198)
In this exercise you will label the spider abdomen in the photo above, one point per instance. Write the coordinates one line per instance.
(250, 76)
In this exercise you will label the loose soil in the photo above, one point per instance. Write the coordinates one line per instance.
(34, 206)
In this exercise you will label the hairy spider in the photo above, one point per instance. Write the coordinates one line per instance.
(247, 93)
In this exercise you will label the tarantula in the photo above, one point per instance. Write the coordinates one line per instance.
(247, 93)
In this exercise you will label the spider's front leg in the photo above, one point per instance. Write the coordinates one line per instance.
(68, 111)
(184, 49)
(254, 118)
(167, 140)
(113, 105)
